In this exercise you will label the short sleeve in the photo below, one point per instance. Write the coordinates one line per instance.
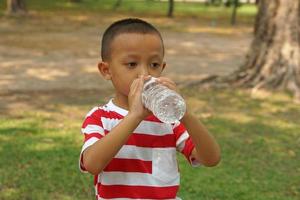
(92, 130)
(184, 143)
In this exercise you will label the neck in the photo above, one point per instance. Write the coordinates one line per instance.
(121, 101)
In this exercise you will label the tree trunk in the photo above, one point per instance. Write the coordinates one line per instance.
(273, 60)
(171, 8)
(16, 7)
(117, 4)
(234, 10)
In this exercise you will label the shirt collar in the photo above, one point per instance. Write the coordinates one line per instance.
(116, 108)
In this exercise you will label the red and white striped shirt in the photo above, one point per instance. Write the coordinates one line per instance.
(146, 166)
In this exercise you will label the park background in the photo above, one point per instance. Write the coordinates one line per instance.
(49, 51)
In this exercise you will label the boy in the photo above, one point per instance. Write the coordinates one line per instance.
(131, 153)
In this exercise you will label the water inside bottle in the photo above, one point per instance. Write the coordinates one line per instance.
(171, 108)
(166, 105)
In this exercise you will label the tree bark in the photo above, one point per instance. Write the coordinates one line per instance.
(117, 4)
(234, 10)
(273, 59)
(171, 8)
(16, 7)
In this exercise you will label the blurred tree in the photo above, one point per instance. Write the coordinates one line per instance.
(15, 7)
(233, 15)
(215, 2)
(171, 8)
(229, 3)
(117, 4)
(273, 61)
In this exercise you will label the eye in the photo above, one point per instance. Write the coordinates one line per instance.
(155, 65)
(131, 64)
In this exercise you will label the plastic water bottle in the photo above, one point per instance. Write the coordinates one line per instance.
(167, 105)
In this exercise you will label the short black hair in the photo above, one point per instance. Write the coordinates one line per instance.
(129, 25)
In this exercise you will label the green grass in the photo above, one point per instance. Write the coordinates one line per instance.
(246, 12)
(259, 139)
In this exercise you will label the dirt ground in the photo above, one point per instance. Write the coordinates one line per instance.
(58, 55)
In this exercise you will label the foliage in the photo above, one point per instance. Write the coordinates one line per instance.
(142, 7)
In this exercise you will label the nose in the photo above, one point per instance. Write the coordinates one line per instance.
(143, 70)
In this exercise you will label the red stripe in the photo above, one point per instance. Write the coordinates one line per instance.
(143, 140)
(129, 165)
(179, 130)
(146, 192)
(95, 117)
(188, 148)
(92, 120)
(95, 180)
(88, 136)
(111, 115)
(152, 118)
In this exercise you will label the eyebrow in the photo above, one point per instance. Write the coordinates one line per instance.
(156, 55)
(153, 55)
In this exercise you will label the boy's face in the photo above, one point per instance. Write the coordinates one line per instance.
(134, 54)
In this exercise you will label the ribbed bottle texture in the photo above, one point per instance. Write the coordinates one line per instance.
(167, 105)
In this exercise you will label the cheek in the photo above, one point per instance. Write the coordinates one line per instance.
(125, 85)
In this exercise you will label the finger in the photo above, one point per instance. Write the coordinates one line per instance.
(140, 84)
(165, 79)
(169, 85)
(133, 86)
(137, 85)
(167, 82)
(162, 78)
(147, 77)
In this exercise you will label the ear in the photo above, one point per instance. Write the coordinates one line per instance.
(163, 66)
(103, 68)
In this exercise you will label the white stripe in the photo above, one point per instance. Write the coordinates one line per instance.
(105, 108)
(181, 141)
(93, 129)
(133, 178)
(153, 128)
(88, 143)
(177, 123)
(134, 152)
(109, 124)
(145, 127)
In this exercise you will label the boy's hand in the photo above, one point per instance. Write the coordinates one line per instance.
(136, 106)
(171, 85)
(168, 83)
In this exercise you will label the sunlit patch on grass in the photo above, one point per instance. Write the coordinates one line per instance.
(43, 145)
(238, 117)
(217, 30)
(8, 193)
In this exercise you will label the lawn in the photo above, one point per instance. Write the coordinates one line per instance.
(259, 138)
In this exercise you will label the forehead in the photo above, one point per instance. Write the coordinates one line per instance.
(126, 43)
